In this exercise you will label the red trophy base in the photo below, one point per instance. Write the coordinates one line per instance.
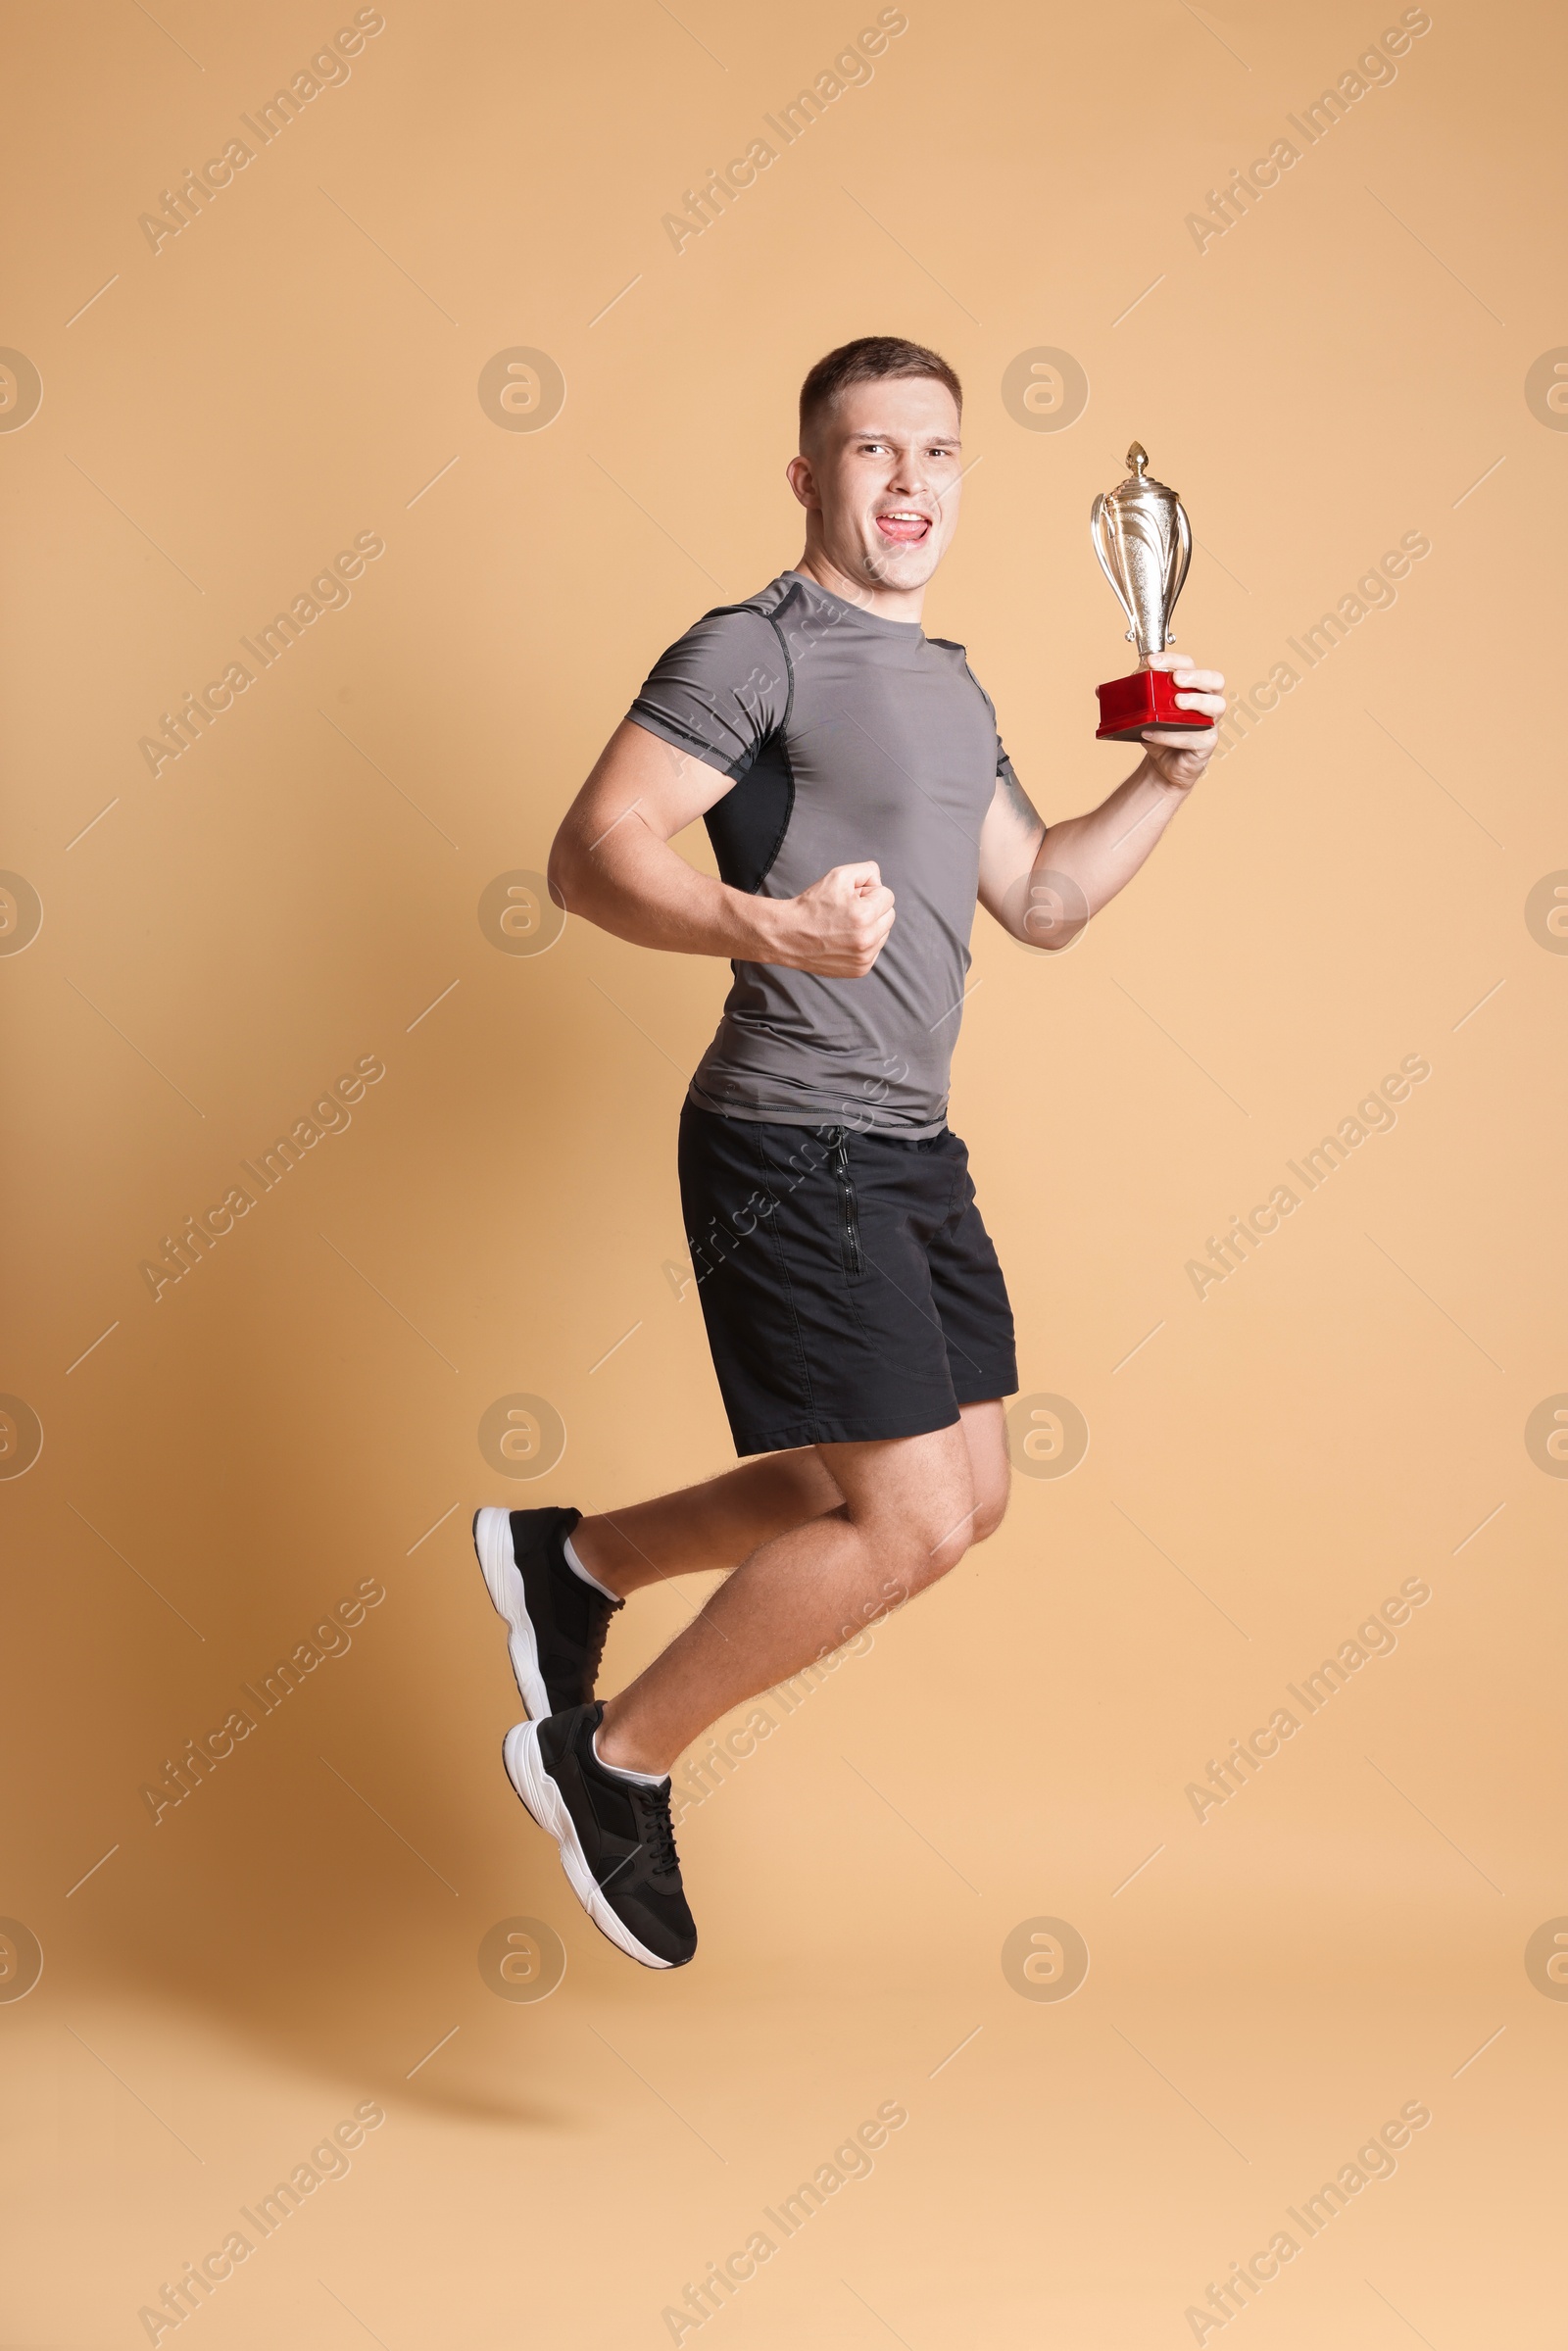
(1146, 699)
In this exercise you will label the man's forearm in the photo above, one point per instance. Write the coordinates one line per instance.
(612, 863)
(1044, 882)
(636, 886)
(1101, 851)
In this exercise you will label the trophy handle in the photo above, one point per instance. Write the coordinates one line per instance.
(1181, 557)
(1099, 533)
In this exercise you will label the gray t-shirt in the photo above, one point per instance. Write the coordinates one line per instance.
(848, 737)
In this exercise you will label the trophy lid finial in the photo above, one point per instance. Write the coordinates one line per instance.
(1137, 459)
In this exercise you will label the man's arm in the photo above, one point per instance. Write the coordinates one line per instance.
(612, 863)
(1043, 883)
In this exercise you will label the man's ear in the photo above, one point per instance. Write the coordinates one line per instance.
(802, 481)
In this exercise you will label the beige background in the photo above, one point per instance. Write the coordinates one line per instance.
(1349, 886)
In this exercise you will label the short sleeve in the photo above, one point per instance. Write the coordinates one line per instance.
(1004, 772)
(721, 691)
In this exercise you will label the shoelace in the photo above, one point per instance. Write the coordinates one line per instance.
(658, 1832)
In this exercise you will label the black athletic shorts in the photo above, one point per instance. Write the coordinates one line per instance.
(848, 1286)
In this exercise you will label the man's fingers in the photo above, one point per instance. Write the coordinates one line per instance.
(1214, 704)
(861, 877)
(1171, 659)
(1184, 661)
(876, 937)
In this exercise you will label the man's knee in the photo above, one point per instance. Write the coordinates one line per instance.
(990, 1470)
(923, 1543)
(990, 1507)
(914, 1501)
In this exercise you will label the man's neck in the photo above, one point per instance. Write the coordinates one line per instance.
(888, 604)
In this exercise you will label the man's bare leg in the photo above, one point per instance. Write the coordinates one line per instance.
(911, 1505)
(707, 1527)
(712, 1527)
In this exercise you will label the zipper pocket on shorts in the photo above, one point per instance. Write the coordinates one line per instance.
(849, 1212)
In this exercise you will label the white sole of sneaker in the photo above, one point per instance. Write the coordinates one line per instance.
(519, 1752)
(492, 1540)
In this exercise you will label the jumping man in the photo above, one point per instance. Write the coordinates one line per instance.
(859, 803)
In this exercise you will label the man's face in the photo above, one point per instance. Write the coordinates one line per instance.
(883, 476)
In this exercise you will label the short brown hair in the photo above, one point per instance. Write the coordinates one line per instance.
(871, 359)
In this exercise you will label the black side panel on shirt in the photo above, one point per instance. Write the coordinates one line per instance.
(725, 691)
(746, 827)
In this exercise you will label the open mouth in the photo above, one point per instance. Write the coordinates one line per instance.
(906, 526)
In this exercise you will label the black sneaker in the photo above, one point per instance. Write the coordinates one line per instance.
(556, 1622)
(617, 1846)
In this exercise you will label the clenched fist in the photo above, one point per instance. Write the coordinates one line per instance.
(837, 928)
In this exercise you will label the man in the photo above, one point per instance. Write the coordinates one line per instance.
(859, 803)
